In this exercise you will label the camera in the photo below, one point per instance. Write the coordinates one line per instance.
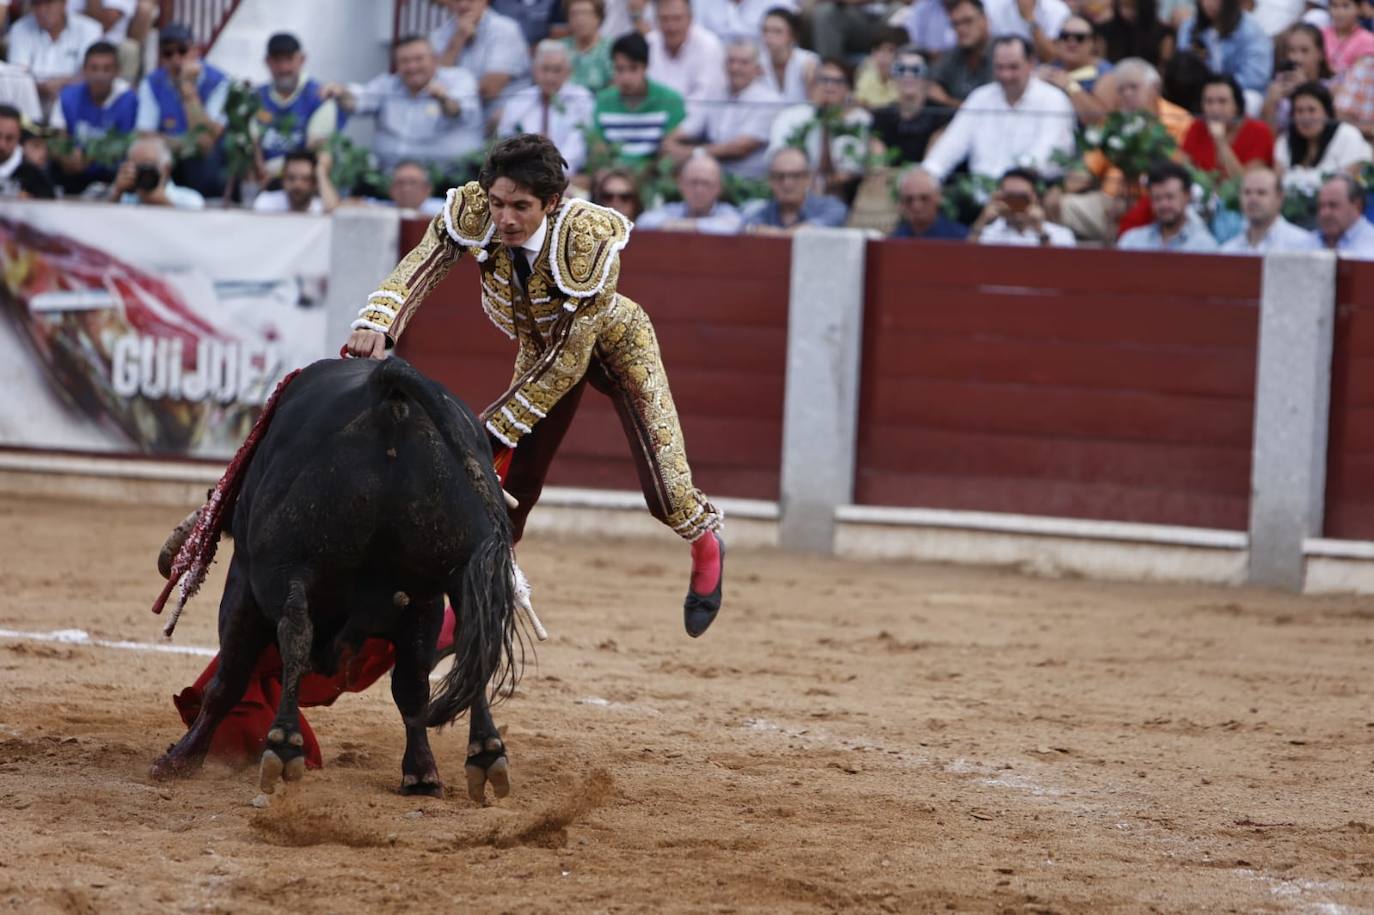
(147, 177)
(1017, 203)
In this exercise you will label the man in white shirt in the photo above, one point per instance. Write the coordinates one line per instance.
(832, 130)
(51, 43)
(126, 24)
(1014, 216)
(553, 107)
(486, 44)
(1037, 21)
(1341, 226)
(734, 132)
(1018, 120)
(686, 57)
(701, 209)
(731, 19)
(305, 186)
(1261, 198)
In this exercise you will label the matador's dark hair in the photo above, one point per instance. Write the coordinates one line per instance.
(529, 160)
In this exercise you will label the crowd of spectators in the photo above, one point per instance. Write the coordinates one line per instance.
(1013, 122)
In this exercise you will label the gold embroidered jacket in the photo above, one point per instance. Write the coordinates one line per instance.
(570, 299)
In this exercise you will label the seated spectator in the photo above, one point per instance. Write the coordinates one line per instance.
(18, 176)
(50, 43)
(1175, 226)
(969, 65)
(1224, 141)
(928, 27)
(831, 129)
(1341, 226)
(1037, 21)
(297, 114)
(1135, 30)
(538, 19)
(635, 113)
(1261, 198)
(873, 83)
(909, 125)
(626, 16)
(553, 107)
(1014, 216)
(842, 29)
(182, 95)
(1301, 59)
(145, 178)
(686, 57)
(126, 24)
(410, 189)
(18, 90)
(701, 209)
(423, 112)
(994, 128)
(735, 132)
(305, 186)
(793, 205)
(1230, 41)
(732, 19)
(1353, 96)
(788, 69)
(590, 50)
(1316, 144)
(616, 189)
(919, 201)
(1075, 62)
(99, 105)
(488, 46)
(1344, 39)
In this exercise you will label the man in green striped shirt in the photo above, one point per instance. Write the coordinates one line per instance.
(635, 113)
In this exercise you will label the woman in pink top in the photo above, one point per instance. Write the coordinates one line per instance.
(1345, 41)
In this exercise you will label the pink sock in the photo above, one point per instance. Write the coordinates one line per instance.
(705, 563)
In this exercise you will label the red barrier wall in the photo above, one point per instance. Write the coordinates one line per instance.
(719, 306)
(1061, 383)
(1350, 448)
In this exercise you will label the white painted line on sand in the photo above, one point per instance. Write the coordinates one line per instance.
(83, 638)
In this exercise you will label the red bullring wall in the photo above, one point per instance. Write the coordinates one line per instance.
(720, 309)
(1350, 447)
(1099, 384)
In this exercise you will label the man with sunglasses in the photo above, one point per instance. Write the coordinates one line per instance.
(1077, 68)
(908, 125)
(184, 95)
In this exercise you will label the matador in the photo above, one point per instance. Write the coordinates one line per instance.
(549, 266)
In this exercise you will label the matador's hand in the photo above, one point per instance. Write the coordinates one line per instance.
(365, 344)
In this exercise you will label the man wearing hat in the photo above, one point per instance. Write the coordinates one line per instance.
(294, 116)
(182, 94)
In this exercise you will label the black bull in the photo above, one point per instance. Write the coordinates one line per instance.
(369, 500)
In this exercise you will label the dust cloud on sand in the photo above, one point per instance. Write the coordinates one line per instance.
(848, 736)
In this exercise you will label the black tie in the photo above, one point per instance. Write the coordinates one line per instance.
(522, 267)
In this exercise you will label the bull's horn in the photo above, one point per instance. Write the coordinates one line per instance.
(511, 502)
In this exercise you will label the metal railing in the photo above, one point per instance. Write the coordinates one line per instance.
(417, 17)
(205, 18)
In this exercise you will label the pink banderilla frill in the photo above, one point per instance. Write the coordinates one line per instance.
(193, 560)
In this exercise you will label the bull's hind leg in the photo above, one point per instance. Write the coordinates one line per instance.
(417, 634)
(244, 633)
(285, 754)
(486, 760)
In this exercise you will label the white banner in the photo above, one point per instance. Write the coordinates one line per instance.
(151, 330)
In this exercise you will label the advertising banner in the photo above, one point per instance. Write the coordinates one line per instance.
(148, 330)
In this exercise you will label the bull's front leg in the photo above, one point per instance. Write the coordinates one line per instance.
(285, 754)
(416, 635)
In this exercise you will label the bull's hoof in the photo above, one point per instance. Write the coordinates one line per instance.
(426, 785)
(173, 765)
(487, 763)
(284, 759)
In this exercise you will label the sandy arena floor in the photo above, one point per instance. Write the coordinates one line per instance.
(866, 737)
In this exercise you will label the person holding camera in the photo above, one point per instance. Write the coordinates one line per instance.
(145, 178)
(1014, 216)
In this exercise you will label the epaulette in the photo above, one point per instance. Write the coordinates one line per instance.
(586, 242)
(467, 218)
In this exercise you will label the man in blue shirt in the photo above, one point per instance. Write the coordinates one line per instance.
(1175, 227)
(99, 105)
(182, 95)
(1341, 226)
(294, 116)
(919, 203)
(792, 206)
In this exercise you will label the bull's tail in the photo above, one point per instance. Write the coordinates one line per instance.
(485, 640)
(484, 598)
